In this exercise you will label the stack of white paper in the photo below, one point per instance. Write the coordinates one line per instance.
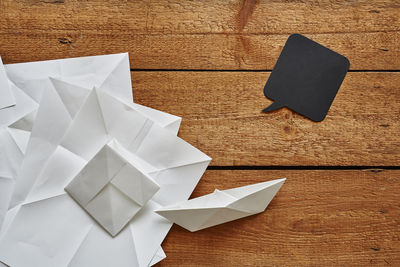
(83, 169)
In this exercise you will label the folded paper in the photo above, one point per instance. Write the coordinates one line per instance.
(13, 141)
(6, 96)
(66, 83)
(222, 206)
(141, 138)
(111, 188)
(33, 79)
(108, 72)
(69, 83)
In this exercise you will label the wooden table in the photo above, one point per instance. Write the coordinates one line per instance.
(208, 61)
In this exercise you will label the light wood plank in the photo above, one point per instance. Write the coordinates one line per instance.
(366, 51)
(209, 16)
(169, 34)
(222, 116)
(318, 218)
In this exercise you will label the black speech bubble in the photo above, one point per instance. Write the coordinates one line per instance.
(306, 78)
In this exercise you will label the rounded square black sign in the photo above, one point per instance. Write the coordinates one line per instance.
(306, 78)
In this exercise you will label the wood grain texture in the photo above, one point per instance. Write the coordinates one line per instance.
(222, 116)
(209, 16)
(166, 34)
(318, 218)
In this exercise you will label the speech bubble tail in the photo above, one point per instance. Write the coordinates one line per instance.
(272, 107)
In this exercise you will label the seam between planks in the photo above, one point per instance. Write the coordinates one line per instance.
(248, 167)
(236, 70)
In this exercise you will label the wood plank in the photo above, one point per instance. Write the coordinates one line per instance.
(185, 16)
(318, 218)
(366, 51)
(222, 116)
(169, 34)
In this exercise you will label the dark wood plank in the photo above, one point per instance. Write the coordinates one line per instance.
(318, 218)
(167, 34)
(222, 116)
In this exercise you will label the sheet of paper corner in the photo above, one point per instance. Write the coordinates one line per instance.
(6, 96)
(21, 72)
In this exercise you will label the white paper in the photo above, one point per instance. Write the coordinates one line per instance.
(159, 256)
(222, 206)
(176, 164)
(6, 96)
(69, 78)
(67, 83)
(50, 125)
(10, 160)
(29, 80)
(58, 139)
(108, 72)
(102, 250)
(112, 188)
(24, 106)
(31, 239)
(13, 141)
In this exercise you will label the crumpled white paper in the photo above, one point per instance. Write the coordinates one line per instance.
(72, 124)
(6, 96)
(66, 82)
(110, 72)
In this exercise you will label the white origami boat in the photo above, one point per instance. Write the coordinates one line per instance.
(222, 206)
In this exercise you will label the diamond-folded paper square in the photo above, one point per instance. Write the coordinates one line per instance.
(111, 188)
